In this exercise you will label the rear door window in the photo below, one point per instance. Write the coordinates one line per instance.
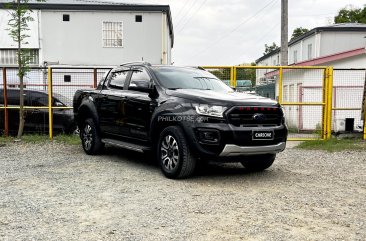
(118, 79)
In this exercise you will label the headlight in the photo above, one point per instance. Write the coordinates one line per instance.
(283, 111)
(211, 110)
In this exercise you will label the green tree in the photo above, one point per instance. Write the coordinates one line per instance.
(269, 48)
(298, 32)
(247, 74)
(18, 27)
(350, 14)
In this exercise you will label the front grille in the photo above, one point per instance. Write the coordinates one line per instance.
(255, 116)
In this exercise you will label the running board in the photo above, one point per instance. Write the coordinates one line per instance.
(126, 145)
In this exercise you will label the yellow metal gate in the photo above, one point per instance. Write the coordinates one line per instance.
(305, 93)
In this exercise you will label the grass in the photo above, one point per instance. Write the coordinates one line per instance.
(334, 145)
(40, 139)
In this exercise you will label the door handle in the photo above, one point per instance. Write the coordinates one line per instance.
(35, 111)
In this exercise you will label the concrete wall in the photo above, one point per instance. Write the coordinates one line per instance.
(336, 42)
(79, 41)
(6, 42)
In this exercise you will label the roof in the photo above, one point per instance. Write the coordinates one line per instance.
(341, 27)
(322, 61)
(333, 57)
(101, 6)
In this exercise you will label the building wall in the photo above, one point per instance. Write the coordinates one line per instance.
(354, 62)
(308, 41)
(79, 41)
(291, 49)
(6, 42)
(336, 42)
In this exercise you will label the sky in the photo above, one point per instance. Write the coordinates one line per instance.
(231, 32)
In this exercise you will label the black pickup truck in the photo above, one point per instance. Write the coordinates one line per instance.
(185, 116)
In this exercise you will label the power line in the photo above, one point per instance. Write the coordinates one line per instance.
(235, 28)
(187, 13)
(268, 32)
(190, 17)
(181, 10)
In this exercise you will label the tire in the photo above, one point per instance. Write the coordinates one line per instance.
(259, 162)
(173, 154)
(90, 138)
(72, 130)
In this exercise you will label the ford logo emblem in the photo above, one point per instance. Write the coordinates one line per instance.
(259, 117)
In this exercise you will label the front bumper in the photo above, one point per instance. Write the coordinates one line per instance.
(234, 150)
(234, 141)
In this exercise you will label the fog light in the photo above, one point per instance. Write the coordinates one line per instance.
(209, 136)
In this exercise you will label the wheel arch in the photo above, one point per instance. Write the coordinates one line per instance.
(85, 111)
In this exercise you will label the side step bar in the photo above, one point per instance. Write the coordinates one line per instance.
(126, 145)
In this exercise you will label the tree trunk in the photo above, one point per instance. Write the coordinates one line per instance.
(21, 75)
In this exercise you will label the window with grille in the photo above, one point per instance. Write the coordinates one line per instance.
(112, 34)
(9, 56)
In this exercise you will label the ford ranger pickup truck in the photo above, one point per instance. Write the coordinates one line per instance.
(183, 115)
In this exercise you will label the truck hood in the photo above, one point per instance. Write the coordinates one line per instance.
(221, 98)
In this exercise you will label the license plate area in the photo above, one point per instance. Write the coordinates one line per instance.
(262, 135)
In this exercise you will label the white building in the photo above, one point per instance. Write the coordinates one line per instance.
(89, 33)
(341, 46)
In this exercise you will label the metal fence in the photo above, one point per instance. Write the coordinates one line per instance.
(348, 91)
(315, 99)
(307, 110)
(40, 83)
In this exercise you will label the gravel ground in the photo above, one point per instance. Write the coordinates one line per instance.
(56, 192)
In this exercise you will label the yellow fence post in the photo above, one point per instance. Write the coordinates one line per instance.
(234, 76)
(330, 102)
(50, 114)
(231, 77)
(280, 83)
(325, 104)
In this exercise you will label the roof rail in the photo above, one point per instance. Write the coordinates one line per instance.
(136, 62)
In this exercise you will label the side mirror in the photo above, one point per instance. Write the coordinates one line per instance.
(143, 86)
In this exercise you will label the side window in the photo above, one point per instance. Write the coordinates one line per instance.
(13, 97)
(38, 99)
(117, 79)
(101, 82)
(140, 79)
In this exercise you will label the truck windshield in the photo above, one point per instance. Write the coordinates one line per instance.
(189, 78)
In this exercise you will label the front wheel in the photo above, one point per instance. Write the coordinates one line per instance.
(259, 162)
(90, 138)
(174, 155)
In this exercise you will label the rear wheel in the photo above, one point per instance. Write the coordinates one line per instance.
(174, 155)
(90, 138)
(259, 162)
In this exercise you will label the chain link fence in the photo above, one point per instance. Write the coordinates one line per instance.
(39, 83)
(348, 92)
(304, 92)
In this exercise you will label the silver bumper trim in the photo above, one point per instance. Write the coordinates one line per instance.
(234, 150)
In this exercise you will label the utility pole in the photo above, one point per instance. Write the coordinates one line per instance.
(284, 32)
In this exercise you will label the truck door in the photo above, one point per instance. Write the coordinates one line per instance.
(110, 104)
(138, 104)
